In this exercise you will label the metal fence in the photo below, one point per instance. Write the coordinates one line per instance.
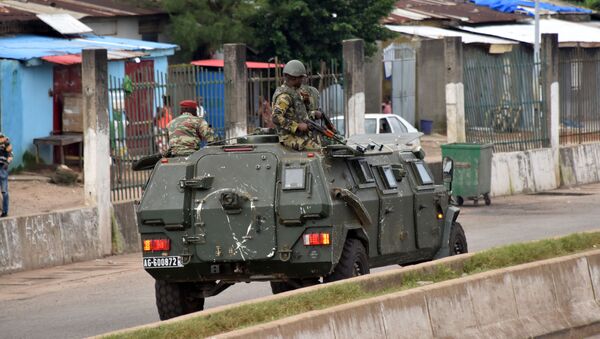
(503, 101)
(140, 107)
(326, 77)
(579, 83)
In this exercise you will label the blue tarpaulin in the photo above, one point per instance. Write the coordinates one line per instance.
(26, 47)
(511, 6)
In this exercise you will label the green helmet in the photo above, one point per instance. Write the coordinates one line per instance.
(294, 68)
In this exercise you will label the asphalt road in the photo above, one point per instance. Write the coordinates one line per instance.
(95, 297)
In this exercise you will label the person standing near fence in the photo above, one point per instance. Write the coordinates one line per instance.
(188, 130)
(6, 158)
(289, 110)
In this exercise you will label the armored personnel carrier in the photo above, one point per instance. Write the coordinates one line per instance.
(257, 211)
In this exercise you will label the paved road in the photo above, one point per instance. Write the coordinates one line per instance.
(95, 297)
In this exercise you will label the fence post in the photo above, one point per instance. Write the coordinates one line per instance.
(354, 86)
(96, 144)
(236, 90)
(455, 92)
(550, 95)
(373, 79)
(430, 103)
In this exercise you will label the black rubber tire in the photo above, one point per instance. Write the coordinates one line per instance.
(280, 287)
(486, 198)
(460, 200)
(458, 240)
(284, 286)
(354, 262)
(175, 299)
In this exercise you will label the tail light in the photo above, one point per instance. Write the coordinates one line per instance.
(151, 245)
(316, 239)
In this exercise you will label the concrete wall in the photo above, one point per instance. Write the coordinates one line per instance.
(534, 171)
(558, 297)
(50, 239)
(63, 237)
(431, 90)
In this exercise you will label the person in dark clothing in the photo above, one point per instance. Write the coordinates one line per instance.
(6, 157)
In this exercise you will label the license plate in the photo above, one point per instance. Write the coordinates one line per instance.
(162, 262)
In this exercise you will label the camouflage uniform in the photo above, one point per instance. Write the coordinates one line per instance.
(288, 111)
(311, 98)
(185, 133)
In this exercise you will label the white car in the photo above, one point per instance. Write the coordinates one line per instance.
(379, 123)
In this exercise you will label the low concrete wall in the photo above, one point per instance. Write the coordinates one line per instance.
(558, 297)
(63, 237)
(50, 239)
(125, 235)
(534, 171)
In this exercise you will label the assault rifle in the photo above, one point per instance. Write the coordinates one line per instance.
(324, 131)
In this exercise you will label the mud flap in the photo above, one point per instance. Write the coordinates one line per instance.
(451, 215)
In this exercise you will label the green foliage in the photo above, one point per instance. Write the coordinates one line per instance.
(266, 311)
(201, 27)
(312, 30)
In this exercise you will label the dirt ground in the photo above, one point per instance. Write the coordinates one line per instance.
(32, 193)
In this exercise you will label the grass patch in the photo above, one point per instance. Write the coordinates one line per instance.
(266, 311)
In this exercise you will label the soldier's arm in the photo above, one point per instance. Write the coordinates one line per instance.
(280, 119)
(205, 132)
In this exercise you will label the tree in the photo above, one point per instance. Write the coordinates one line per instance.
(201, 27)
(312, 30)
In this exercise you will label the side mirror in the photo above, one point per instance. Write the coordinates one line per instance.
(447, 172)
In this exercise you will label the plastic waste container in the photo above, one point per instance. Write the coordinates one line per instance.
(472, 171)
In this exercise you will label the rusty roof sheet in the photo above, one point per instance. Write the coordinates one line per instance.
(80, 8)
(12, 14)
(446, 10)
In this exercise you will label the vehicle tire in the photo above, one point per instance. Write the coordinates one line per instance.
(284, 286)
(458, 240)
(175, 299)
(460, 200)
(354, 262)
(280, 287)
(486, 198)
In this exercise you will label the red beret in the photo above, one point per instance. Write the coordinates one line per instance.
(188, 104)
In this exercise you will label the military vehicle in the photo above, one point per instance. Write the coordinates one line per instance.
(257, 211)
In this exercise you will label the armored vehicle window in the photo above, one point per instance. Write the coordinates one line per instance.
(293, 178)
(363, 171)
(388, 176)
(424, 175)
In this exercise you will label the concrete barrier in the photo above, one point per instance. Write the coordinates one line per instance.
(63, 237)
(558, 297)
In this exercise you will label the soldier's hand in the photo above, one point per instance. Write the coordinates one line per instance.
(302, 127)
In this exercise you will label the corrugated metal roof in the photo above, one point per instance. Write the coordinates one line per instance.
(221, 63)
(64, 23)
(569, 33)
(13, 14)
(419, 10)
(438, 33)
(71, 59)
(80, 8)
(26, 47)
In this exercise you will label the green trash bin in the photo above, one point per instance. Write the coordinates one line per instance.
(472, 171)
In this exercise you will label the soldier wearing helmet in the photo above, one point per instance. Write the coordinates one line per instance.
(188, 130)
(290, 110)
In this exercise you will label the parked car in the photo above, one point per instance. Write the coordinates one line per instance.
(379, 123)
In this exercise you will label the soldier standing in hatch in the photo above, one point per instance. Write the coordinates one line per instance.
(188, 130)
(6, 157)
(289, 110)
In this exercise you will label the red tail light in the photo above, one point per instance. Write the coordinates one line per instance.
(157, 245)
(315, 239)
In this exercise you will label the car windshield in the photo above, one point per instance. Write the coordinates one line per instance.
(370, 126)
